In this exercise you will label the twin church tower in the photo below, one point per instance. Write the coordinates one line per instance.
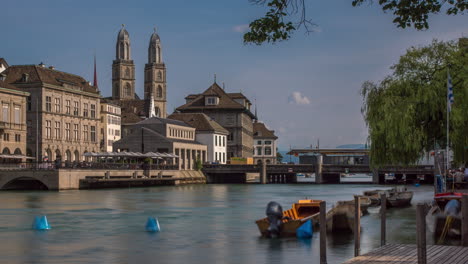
(123, 73)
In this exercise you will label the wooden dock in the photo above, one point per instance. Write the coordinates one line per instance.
(407, 254)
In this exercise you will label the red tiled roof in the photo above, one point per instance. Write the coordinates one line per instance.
(199, 121)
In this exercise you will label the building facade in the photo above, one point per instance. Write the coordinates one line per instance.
(13, 122)
(231, 111)
(165, 136)
(265, 144)
(110, 125)
(207, 132)
(63, 112)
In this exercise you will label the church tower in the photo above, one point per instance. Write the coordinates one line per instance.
(155, 76)
(123, 69)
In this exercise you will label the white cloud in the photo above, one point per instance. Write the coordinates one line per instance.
(298, 98)
(240, 28)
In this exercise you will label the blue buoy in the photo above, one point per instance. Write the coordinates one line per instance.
(152, 225)
(305, 230)
(417, 184)
(41, 223)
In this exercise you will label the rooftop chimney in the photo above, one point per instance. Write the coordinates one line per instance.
(42, 64)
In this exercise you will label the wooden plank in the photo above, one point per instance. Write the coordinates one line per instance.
(323, 232)
(421, 233)
(462, 257)
(452, 255)
(357, 225)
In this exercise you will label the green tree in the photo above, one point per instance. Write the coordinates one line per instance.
(279, 157)
(406, 112)
(284, 17)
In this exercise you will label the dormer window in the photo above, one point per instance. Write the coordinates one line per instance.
(2, 77)
(25, 77)
(212, 100)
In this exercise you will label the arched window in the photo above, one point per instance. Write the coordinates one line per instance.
(157, 111)
(159, 75)
(77, 155)
(127, 72)
(127, 56)
(6, 151)
(122, 51)
(18, 151)
(68, 155)
(159, 92)
(128, 89)
(58, 155)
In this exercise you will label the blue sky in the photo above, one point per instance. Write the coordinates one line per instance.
(306, 89)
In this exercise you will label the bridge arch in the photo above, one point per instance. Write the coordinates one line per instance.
(23, 183)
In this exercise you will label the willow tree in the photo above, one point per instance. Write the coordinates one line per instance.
(406, 112)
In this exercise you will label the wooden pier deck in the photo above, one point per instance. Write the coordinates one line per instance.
(407, 254)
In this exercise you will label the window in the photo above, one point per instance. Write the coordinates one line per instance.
(6, 113)
(17, 114)
(211, 101)
(267, 142)
(48, 103)
(67, 131)
(76, 109)
(267, 150)
(259, 142)
(57, 105)
(85, 110)
(67, 106)
(6, 137)
(29, 107)
(128, 90)
(224, 156)
(93, 111)
(17, 137)
(259, 151)
(224, 141)
(117, 132)
(159, 75)
(75, 132)
(230, 137)
(216, 140)
(159, 92)
(57, 130)
(48, 129)
(93, 133)
(85, 133)
(110, 142)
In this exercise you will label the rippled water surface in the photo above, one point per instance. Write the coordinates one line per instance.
(200, 224)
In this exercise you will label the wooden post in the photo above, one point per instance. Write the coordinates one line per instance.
(383, 218)
(318, 169)
(263, 175)
(421, 233)
(357, 225)
(464, 220)
(375, 176)
(323, 232)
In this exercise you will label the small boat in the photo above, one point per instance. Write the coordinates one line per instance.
(374, 196)
(290, 220)
(397, 198)
(365, 202)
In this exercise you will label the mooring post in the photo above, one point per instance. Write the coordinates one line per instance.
(375, 176)
(383, 218)
(464, 220)
(357, 225)
(323, 232)
(318, 169)
(421, 233)
(263, 176)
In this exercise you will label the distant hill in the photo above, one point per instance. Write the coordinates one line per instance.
(352, 146)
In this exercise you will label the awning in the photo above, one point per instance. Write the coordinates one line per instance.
(15, 156)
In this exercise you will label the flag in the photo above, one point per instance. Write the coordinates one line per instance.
(449, 92)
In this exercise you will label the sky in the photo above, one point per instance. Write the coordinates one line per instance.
(307, 89)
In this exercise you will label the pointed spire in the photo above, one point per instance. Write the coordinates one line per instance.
(215, 77)
(256, 116)
(95, 82)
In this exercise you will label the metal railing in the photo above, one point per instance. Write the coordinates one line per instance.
(85, 165)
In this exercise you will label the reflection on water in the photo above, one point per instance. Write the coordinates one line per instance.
(200, 224)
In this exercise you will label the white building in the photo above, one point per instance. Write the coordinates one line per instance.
(110, 125)
(265, 143)
(209, 133)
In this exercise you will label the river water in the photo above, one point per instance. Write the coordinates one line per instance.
(200, 224)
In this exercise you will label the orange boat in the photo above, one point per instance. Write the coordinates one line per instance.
(293, 218)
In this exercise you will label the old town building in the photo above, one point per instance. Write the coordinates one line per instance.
(264, 144)
(231, 111)
(207, 132)
(63, 112)
(165, 136)
(110, 125)
(12, 122)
